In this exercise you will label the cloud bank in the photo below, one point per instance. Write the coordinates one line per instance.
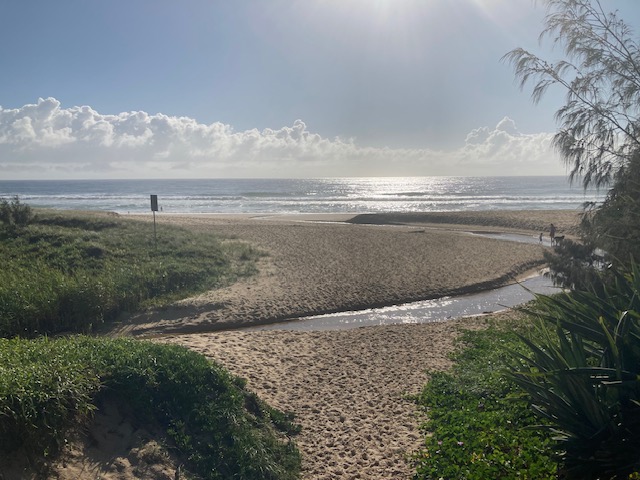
(44, 140)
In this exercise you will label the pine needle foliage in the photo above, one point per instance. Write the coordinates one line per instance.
(600, 120)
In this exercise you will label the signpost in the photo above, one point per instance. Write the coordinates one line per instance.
(154, 209)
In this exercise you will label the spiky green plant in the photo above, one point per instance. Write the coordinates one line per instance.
(583, 376)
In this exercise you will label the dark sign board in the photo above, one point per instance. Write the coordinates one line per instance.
(154, 203)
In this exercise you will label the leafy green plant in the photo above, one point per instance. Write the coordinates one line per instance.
(582, 373)
(220, 429)
(14, 213)
(477, 425)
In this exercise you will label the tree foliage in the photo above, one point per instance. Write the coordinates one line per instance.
(582, 378)
(14, 213)
(599, 123)
(615, 225)
(599, 129)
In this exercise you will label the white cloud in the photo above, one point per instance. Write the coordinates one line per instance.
(44, 140)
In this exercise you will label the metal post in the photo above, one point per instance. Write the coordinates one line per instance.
(154, 209)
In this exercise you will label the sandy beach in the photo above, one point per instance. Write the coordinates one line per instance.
(348, 389)
(322, 264)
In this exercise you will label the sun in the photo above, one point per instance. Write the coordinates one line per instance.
(500, 12)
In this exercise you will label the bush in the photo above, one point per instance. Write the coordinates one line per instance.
(582, 375)
(220, 429)
(14, 213)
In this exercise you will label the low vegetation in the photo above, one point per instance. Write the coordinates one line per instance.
(478, 423)
(66, 272)
(69, 273)
(219, 429)
(554, 393)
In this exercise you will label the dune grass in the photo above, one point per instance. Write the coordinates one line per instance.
(219, 429)
(73, 272)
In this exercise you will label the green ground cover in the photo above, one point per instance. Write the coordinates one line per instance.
(550, 392)
(218, 428)
(70, 272)
(478, 424)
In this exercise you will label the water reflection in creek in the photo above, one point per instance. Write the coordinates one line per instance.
(430, 310)
(424, 311)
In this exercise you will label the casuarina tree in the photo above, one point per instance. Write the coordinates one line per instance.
(599, 124)
(581, 373)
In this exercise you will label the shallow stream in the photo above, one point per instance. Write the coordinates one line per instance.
(438, 309)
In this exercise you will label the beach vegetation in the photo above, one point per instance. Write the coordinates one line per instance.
(581, 369)
(615, 225)
(600, 121)
(581, 374)
(73, 272)
(13, 213)
(478, 424)
(610, 236)
(216, 428)
(599, 134)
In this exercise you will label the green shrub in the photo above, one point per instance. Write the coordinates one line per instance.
(14, 213)
(220, 429)
(582, 374)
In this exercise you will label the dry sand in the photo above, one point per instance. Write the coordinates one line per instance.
(314, 268)
(347, 388)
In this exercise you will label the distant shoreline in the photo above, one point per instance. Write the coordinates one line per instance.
(309, 196)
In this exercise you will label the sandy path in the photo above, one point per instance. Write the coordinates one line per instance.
(347, 388)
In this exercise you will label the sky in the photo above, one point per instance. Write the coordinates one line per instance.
(272, 88)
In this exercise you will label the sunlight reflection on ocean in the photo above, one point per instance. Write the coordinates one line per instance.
(325, 195)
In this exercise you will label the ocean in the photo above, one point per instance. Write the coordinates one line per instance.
(322, 195)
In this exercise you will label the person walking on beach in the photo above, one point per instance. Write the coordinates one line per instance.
(552, 233)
